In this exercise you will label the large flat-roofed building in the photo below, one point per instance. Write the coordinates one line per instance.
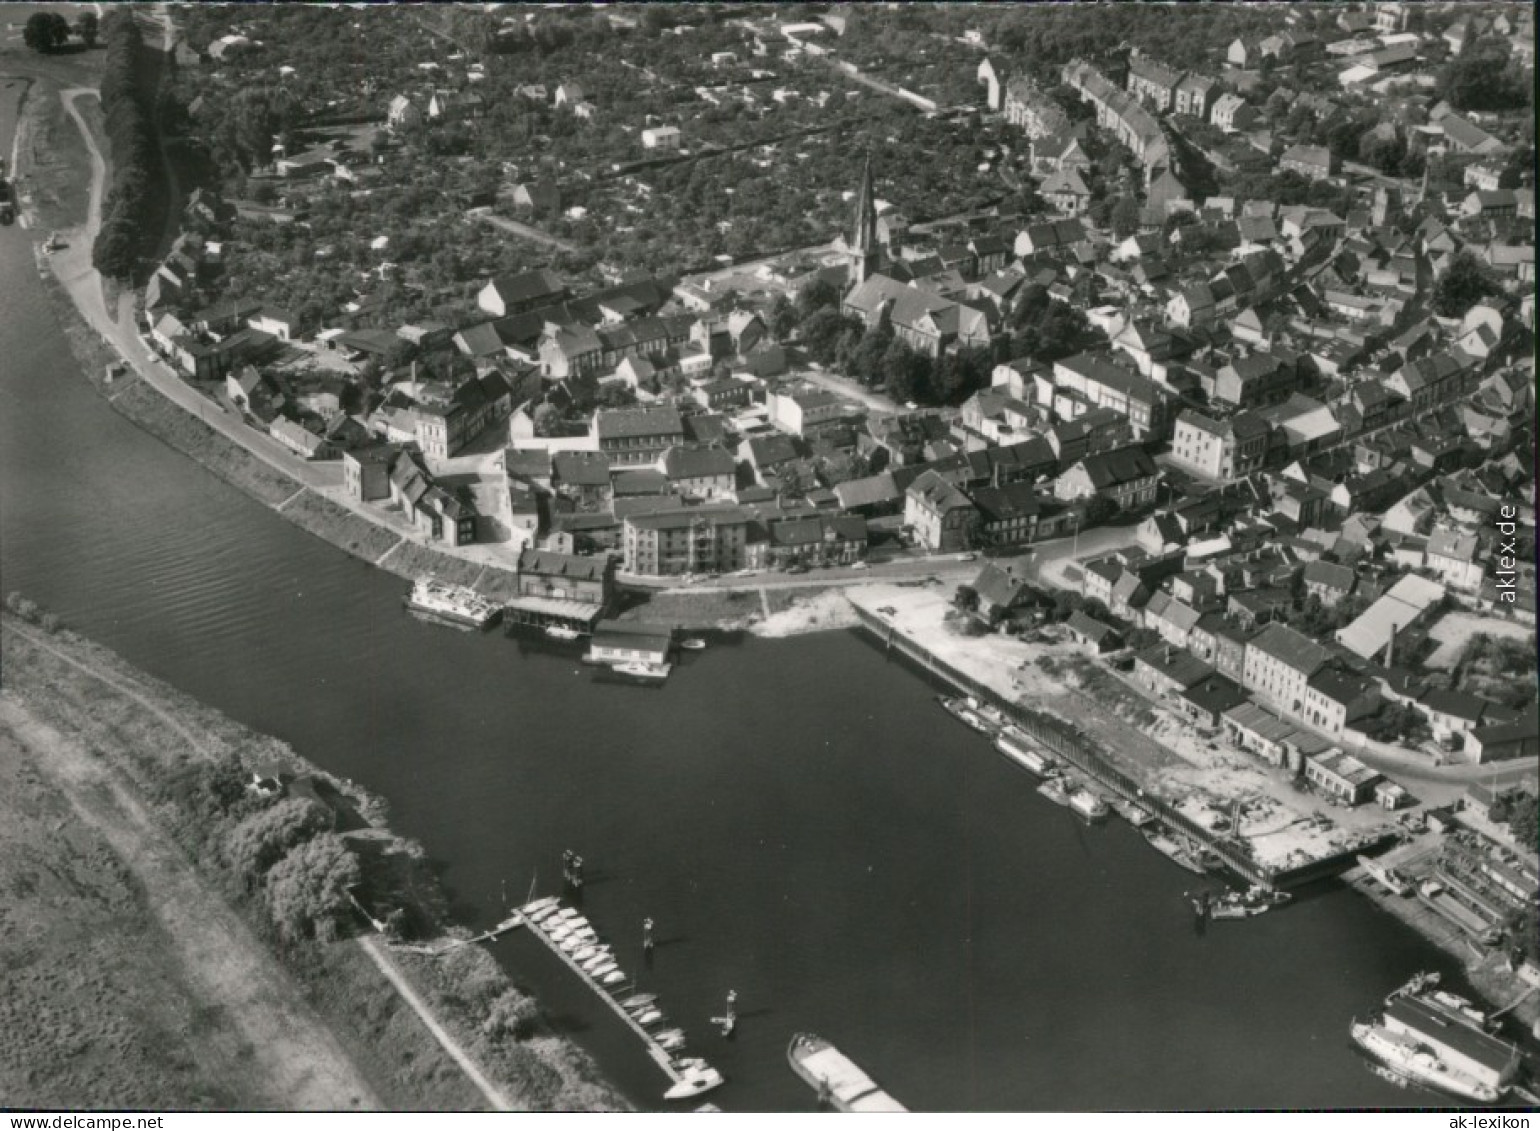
(690, 540)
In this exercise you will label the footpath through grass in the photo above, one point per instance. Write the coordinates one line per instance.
(187, 766)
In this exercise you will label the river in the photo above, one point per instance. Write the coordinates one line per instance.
(802, 822)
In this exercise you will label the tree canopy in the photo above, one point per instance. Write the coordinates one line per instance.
(1464, 283)
(46, 32)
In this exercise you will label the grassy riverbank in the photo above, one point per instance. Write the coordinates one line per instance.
(150, 770)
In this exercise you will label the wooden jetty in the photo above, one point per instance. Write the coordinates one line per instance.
(690, 1076)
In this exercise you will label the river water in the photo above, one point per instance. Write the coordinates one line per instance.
(802, 822)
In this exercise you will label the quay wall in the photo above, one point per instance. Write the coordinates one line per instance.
(1067, 742)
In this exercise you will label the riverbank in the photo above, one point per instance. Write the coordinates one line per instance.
(318, 1022)
(1282, 827)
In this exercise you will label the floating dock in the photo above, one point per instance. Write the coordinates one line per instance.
(689, 1076)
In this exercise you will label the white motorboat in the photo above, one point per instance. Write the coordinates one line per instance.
(583, 954)
(614, 977)
(603, 968)
(671, 1040)
(1088, 805)
(636, 1001)
(641, 670)
(561, 632)
(542, 906)
(651, 1015)
(695, 1078)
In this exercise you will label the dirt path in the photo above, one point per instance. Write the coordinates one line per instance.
(37, 641)
(495, 1098)
(295, 1061)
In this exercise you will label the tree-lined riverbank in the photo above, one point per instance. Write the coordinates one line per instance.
(152, 785)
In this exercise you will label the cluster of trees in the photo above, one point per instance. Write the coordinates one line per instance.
(1485, 76)
(877, 356)
(1499, 668)
(33, 613)
(1464, 283)
(286, 853)
(46, 32)
(132, 208)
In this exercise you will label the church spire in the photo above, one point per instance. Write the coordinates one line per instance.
(863, 237)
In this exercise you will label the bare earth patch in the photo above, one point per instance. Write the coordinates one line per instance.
(1454, 630)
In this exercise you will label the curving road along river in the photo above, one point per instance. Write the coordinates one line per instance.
(800, 820)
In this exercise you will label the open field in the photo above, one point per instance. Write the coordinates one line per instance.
(118, 867)
(95, 1009)
(132, 981)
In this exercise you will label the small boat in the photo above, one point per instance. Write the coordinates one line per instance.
(1087, 804)
(670, 1040)
(543, 917)
(1013, 744)
(1133, 814)
(1173, 850)
(636, 1001)
(1393, 881)
(599, 970)
(693, 644)
(543, 906)
(639, 669)
(696, 1078)
(561, 632)
(599, 957)
(573, 943)
(648, 1015)
(583, 954)
(559, 934)
(1244, 905)
(1055, 790)
(570, 913)
(968, 711)
(611, 978)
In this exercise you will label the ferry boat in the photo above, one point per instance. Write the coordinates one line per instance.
(1087, 804)
(1394, 882)
(835, 1077)
(561, 632)
(1173, 850)
(458, 604)
(1421, 1063)
(1014, 746)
